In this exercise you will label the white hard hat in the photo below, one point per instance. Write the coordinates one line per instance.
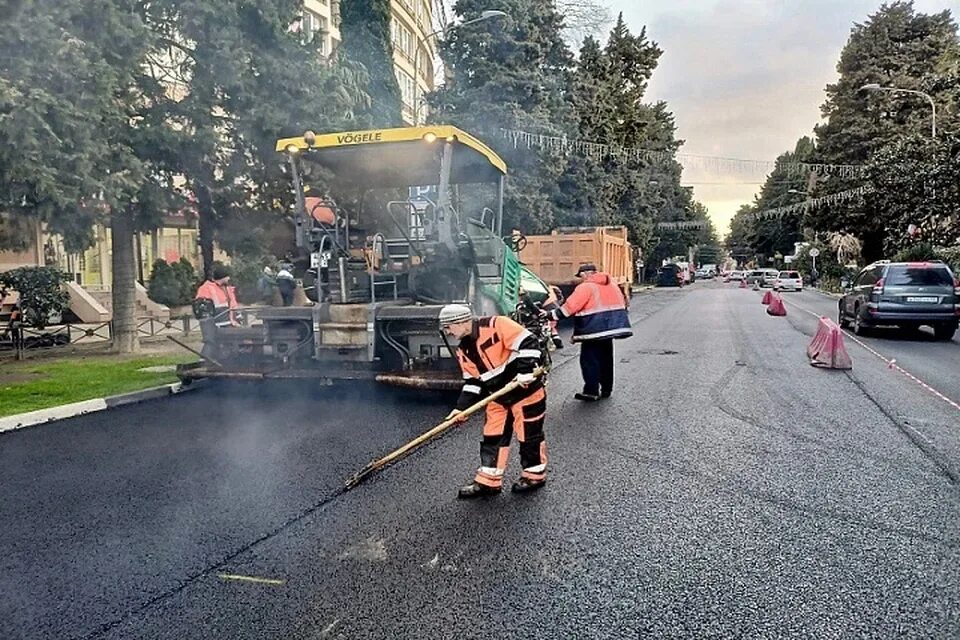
(454, 313)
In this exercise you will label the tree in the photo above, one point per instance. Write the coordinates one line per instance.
(57, 93)
(41, 292)
(511, 74)
(917, 183)
(70, 101)
(242, 78)
(365, 29)
(897, 47)
(768, 237)
(606, 95)
(583, 18)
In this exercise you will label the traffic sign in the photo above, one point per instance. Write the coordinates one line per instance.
(814, 252)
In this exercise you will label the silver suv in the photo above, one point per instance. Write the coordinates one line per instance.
(903, 294)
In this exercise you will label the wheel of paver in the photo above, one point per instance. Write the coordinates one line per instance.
(842, 317)
(858, 327)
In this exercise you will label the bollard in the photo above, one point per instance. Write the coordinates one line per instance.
(776, 306)
(827, 349)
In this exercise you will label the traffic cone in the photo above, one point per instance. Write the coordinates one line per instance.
(743, 284)
(766, 296)
(776, 307)
(827, 349)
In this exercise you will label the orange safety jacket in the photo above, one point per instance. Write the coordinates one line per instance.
(598, 308)
(224, 299)
(495, 352)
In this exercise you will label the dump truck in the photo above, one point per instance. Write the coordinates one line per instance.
(422, 229)
(556, 256)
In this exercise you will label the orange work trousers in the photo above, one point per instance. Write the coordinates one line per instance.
(525, 418)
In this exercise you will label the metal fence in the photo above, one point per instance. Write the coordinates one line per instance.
(17, 340)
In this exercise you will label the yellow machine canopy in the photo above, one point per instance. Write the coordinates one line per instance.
(409, 156)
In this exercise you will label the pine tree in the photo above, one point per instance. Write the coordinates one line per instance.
(511, 74)
(245, 80)
(365, 29)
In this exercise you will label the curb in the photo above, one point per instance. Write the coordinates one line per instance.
(74, 409)
(827, 294)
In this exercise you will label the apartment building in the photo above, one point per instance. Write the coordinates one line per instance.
(321, 21)
(413, 54)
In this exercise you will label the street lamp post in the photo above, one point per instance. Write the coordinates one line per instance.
(485, 15)
(933, 106)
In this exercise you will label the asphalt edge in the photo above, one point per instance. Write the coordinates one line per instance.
(74, 409)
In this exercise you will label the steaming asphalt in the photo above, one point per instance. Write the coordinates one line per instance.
(727, 490)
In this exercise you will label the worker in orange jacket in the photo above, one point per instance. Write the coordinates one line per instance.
(216, 292)
(493, 352)
(599, 312)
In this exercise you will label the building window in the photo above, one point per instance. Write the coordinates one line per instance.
(313, 24)
(407, 90)
(403, 39)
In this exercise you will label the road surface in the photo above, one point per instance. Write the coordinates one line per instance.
(728, 489)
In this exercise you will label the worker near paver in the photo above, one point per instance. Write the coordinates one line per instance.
(286, 283)
(553, 301)
(599, 313)
(216, 298)
(492, 353)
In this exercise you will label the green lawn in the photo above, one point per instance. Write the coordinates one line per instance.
(27, 386)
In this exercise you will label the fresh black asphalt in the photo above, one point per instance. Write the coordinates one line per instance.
(728, 489)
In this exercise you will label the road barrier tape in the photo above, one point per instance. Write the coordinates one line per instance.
(890, 362)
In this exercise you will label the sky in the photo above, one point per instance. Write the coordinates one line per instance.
(745, 79)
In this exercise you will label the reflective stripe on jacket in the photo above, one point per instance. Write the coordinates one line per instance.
(492, 355)
(223, 298)
(598, 308)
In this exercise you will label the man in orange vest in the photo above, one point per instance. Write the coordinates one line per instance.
(493, 352)
(220, 295)
(599, 314)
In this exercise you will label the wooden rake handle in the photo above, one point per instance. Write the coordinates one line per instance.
(420, 440)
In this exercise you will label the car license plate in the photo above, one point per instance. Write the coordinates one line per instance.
(932, 299)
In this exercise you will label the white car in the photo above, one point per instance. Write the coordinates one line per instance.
(735, 276)
(788, 280)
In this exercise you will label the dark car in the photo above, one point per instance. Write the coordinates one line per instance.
(903, 294)
(669, 275)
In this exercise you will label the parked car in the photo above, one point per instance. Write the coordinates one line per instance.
(734, 276)
(769, 277)
(904, 294)
(754, 277)
(788, 280)
(670, 275)
(705, 274)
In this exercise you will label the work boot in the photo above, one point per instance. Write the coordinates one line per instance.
(605, 394)
(586, 397)
(524, 485)
(558, 342)
(476, 490)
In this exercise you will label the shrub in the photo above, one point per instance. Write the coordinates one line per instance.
(187, 278)
(172, 284)
(950, 255)
(245, 274)
(41, 292)
(919, 252)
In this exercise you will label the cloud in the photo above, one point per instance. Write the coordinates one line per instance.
(745, 78)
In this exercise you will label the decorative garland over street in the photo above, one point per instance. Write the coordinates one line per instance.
(596, 150)
(813, 203)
